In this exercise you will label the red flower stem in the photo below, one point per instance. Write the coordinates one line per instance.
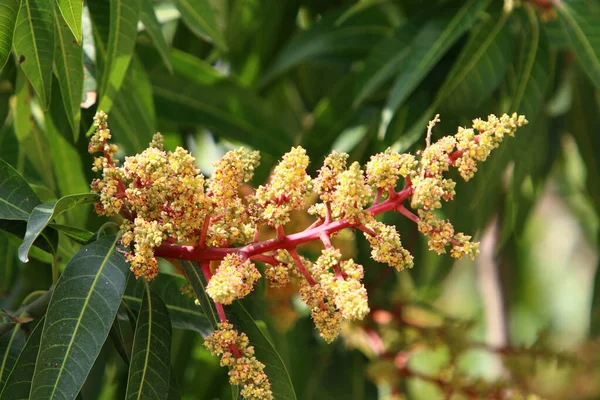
(280, 232)
(378, 196)
(366, 230)
(327, 243)
(265, 259)
(168, 250)
(407, 213)
(328, 217)
(301, 267)
(202, 242)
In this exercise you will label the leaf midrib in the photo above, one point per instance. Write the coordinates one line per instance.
(80, 317)
(589, 50)
(33, 36)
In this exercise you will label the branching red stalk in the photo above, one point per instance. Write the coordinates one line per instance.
(301, 267)
(288, 242)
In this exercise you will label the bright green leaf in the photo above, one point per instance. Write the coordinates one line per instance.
(18, 384)
(44, 213)
(68, 67)
(83, 306)
(184, 312)
(8, 18)
(71, 11)
(124, 15)
(199, 16)
(428, 46)
(34, 45)
(281, 383)
(77, 234)
(581, 21)
(150, 365)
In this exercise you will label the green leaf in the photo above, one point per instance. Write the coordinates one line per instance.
(198, 284)
(11, 344)
(72, 11)
(184, 312)
(199, 16)
(34, 45)
(480, 67)
(83, 306)
(30, 138)
(68, 67)
(17, 199)
(18, 384)
(8, 19)
(124, 15)
(581, 21)
(325, 38)
(68, 166)
(281, 383)
(225, 108)
(427, 48)
(150, 365)
(77, 234)
(45, 245)
(44, 213)
(148, 18)
(133, 117)
(386, 59)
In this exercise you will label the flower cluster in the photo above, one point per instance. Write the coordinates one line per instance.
(234, 279)
(170, 210)
(245, 370)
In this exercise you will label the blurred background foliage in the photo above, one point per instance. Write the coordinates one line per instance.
(357, 77)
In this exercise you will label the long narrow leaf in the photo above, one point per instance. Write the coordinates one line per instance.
(72, 11)
(44, 213)
(281, 383)
(8, 19)
(81, 311)
(17, 199)
(34, 45)
(581, 21)
(69, 70)
(11, 344)
(184, 313)
(18, 384)
(199, 16)
(148, 18)
(124, 15)
(150, 365)
(432, 42)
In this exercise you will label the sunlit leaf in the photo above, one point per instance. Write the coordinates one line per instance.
(34, 45)
(44, 213)
(68, 67)
(8, 18)
(83, 306)
(71, 11)
(199, 16)
(580, 19)
(150, 365)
